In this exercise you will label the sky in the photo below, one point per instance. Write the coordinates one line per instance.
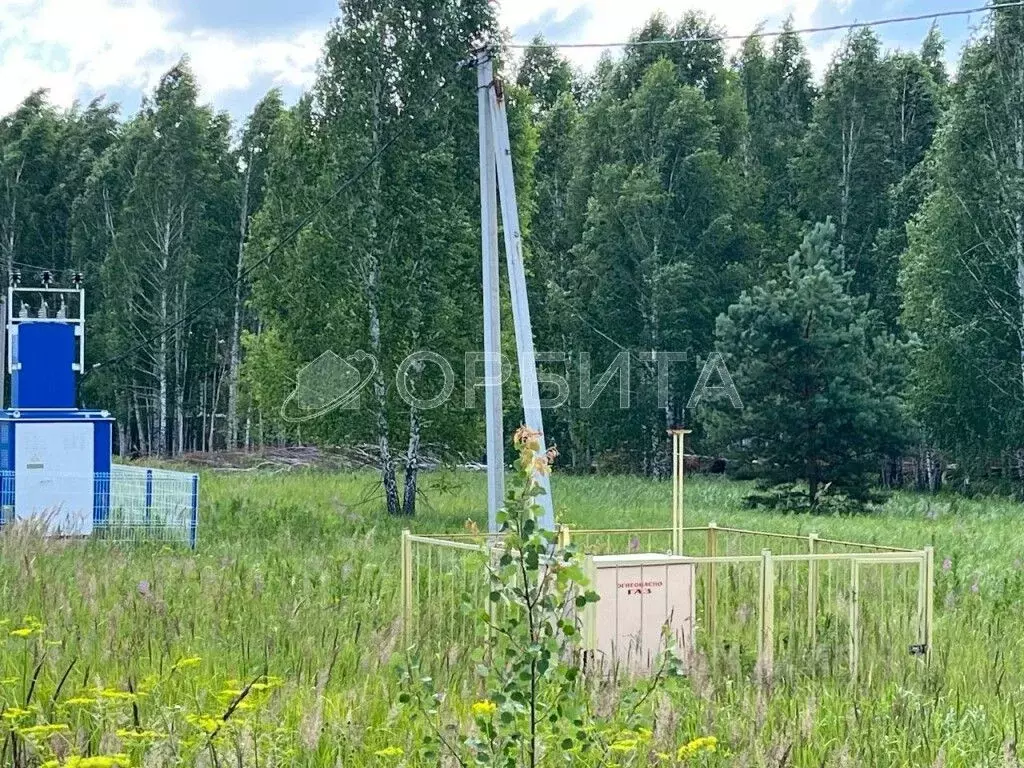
(81, 49)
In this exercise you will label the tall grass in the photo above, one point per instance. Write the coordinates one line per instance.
(276, 642)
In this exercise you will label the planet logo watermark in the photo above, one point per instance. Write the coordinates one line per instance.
(331, 382)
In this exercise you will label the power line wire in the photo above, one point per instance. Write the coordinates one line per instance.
(291, 235)
(25, 265)
(932, 15)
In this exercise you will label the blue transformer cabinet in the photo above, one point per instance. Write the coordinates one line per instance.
(43, 365)
(54, 457)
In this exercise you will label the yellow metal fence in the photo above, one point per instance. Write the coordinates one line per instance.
(769, 605)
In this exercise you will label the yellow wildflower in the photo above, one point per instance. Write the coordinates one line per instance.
(204, 722)
(390, 752)
(15, 713)
(191, 661)
(696, 746)
(484, 708)
(42, 731)
(148, 682)
(96, 761)
(268, 683)
(33, 626)
(527, 438)
(80, 701)
(644, 734)
(10, 681)
(624, 745)
(128, 735)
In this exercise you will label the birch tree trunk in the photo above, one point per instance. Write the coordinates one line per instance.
(1018, 221)
(203, 418)
(140, 425)
(9, 240)
(236, 320)
(371, 284)
(412, 463)
(387, 464)
(180, 370)
(215, 388)
(849, 151)
(161, 371)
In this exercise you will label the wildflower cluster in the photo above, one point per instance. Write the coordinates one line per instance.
(698, 746)
(630, 741)
(134, 726)
(95, 761)
(31, 626)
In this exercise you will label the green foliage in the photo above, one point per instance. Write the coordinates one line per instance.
(779, 97)
(963, 271)
(872, 124)
(384, 268)
(653, 190)
(818, 376)
(545, 74)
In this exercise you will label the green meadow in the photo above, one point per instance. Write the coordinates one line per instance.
(278, 642)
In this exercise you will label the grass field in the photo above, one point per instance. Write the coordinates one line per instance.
(141, 651)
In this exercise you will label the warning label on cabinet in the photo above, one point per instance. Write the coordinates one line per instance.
(640, 587)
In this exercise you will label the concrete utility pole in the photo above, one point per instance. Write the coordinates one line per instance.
(496, 177)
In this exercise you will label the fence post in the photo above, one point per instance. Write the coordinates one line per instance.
(766, 634)
(711, 597)
(854, 617)
(564, 536)
(194, 522)
(149, 495)
(406, 586)
(812, 591)
(929, 602)
(590, 615)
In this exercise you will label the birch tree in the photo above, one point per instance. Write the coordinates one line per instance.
(846, 167)
(963, 273)
(383, 270)
(158, 199)
(253, 160)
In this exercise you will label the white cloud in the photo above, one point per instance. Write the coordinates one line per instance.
(82, 47)
(78, 48)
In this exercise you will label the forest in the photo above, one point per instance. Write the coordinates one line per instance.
(851, 248)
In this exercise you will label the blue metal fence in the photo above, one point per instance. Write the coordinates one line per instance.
(127, 504)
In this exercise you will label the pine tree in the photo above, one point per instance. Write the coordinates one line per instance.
(818, 376)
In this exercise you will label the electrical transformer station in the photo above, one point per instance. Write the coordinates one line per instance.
(56, 467)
